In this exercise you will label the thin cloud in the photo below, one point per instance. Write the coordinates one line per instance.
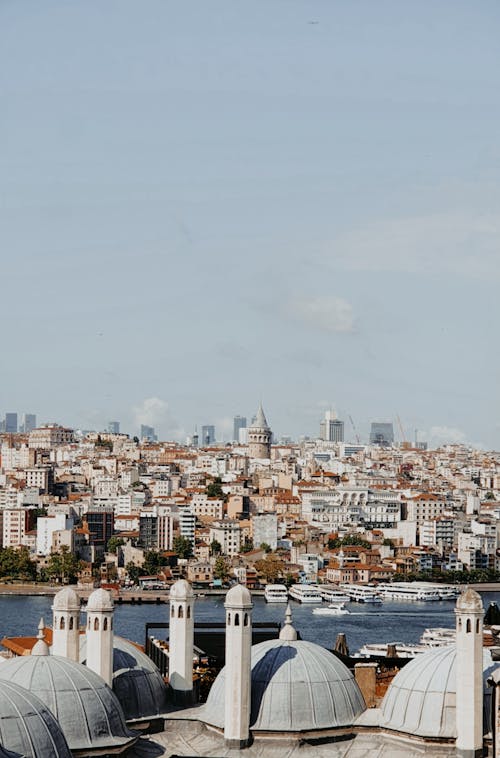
(326, 313)
(443, 435)
(463, 242)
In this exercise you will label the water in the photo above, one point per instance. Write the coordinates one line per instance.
(389, 622)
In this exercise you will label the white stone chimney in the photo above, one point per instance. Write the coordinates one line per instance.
(238, 676)
(181, 642)
(100, 634)
(469, 613)
(66, 624)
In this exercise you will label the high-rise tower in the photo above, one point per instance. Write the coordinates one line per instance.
(259, 436)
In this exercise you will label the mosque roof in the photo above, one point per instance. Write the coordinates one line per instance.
(27, 727)
(137, 682)
(100, 600)
(421, 697)
(87, 710)
(296, 686)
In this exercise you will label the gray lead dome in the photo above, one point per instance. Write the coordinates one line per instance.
(296, 686)
(85, 707)
(27, 727)
(137, 682)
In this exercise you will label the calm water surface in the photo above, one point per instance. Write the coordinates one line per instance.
(389, 622)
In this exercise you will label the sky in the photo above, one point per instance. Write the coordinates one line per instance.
(205, 205)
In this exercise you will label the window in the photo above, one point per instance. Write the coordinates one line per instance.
(468, 627)
(236, 619)
(96, 624)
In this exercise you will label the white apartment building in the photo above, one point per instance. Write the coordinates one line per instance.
(202, 505)
(46, 526)
(38, 477)
(161, 487)
(16, 522)
(425, 507)
(228, 534)
(128, 477)
(187, 524)
(437, 531)
(50, 436)
(16, 457)
(106, 486)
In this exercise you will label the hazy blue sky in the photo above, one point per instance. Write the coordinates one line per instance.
(208, 203)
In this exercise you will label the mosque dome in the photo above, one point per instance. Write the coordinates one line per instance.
(296, 686)
(100, 600)
(180, 590)
(27, 727)
(66, 600)
(421, 697)
(87, 710)
(137, 682)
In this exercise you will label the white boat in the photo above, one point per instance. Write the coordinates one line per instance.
(430, 638)
(334, 609)
(305, 593)
(333, 594)
(413, 591)
(447, 592)
(276, 593)
(361, 594)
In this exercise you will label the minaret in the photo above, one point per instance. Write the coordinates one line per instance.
(469, 613)
(181, 642)
(238, 675)
(288, 632)
(40, 647)
(66, 624)
(100, 634)
(259, 436)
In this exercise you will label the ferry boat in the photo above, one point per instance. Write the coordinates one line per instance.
(333, 594)
(413, 591)
(447, 592)
(305, 593)
(334, 609)
(430, 638)
(361, 594)
(276, 593)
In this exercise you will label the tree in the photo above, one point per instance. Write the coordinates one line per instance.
(16, 563)
(153, 562)
(214, 489)
(63, 566)
(349, 539)
(247, 545)
(265, 547)
(133, 571)
(221, 568)
(114, 543)
(183, 547)
(215, 548)
(270, 568)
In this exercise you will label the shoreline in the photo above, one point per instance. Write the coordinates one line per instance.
(159, 596)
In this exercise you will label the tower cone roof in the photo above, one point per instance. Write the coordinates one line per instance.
(260, 419)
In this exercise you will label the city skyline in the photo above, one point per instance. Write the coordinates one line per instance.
(297, 201)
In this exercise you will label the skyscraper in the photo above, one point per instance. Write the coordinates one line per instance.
(208, 434)
(11, 423)
(114, 427)
(239, 422)
(28, 423)
(148, 433)
(381, 433)
(331, 429)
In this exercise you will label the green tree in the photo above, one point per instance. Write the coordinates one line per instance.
(247, 546)
(183, 547)
(153, 562)
(215, 548)
(349, 540)
(214, 489)
(134, 572)
(16, 563)
(63, 566)
(221, 568)
(114, 543)
(265, 547)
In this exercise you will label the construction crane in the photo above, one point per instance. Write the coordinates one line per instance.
(355, 430)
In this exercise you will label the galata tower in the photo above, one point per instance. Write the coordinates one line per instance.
(259, 436)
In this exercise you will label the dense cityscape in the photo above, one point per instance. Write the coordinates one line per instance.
(106, 507)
